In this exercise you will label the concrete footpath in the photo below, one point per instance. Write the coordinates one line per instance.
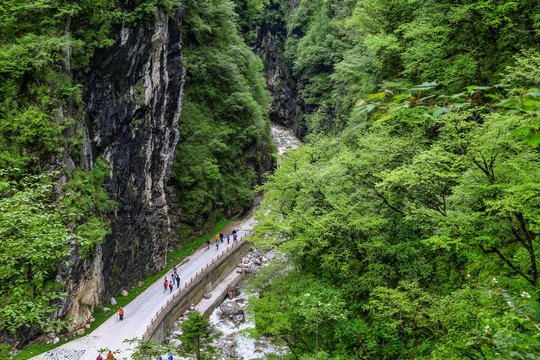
(140, 312)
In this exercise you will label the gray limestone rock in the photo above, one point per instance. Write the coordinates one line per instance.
(176, 343)
(230, 308)
(238, 318)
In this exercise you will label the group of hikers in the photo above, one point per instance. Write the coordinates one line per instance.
(175, 279)
(110, 356)
(220, 238)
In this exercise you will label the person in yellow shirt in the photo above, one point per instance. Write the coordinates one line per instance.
(110, 356)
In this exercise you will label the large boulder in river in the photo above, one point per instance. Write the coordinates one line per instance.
(231, 308)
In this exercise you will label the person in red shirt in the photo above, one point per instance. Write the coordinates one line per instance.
(165, 284)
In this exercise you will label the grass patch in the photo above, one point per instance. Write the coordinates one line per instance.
(101, 316)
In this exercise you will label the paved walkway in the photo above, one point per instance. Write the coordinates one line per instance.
(139, 312)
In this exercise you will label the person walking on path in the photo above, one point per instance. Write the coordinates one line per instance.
(173, 278)
(207, 244)
(174, 270)
(165, 284)
(177, 281)
(234, 236)
(110, 356)
(221, 236)
(234, 232)
(228, 238)
(217, 244)
(171, 286)
(99, 357)
(121, 313)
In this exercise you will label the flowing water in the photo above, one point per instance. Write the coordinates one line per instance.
(245, 346)
(284, 139)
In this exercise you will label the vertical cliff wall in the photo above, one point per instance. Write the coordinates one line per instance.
(287, 105)
(133, 96)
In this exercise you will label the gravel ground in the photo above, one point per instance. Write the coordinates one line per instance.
(63, 354)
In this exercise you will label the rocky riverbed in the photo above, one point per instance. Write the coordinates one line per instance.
(231, 320)
(230, 317)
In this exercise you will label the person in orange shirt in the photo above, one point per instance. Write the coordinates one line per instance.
(110, 356)
(121, 313)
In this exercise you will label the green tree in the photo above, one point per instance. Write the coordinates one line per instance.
(393, 218)
(197, 335)
(34, 241)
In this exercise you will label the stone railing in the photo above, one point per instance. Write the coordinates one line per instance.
(189, 285)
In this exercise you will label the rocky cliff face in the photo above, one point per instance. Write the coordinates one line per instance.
(287, 106)
(133, 101)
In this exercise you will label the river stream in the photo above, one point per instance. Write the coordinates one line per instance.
(245, 347)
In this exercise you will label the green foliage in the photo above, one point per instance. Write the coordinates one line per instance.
(34, 242)
(508, 331)
(86, 198)
(146, 10)
(389, 221)
(197, 335)
(508, 102)
(142, 350)
(525, 72)
(342, 50)
(224, 118)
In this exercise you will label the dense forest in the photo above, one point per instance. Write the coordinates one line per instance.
(409, 217)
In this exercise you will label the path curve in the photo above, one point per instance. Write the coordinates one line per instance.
(141, 310)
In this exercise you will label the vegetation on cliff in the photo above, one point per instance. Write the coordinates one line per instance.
(341, 50)
(224, 127)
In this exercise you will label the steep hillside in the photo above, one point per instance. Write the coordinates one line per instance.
(225, 143)
(322, 56)
(91, 120)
